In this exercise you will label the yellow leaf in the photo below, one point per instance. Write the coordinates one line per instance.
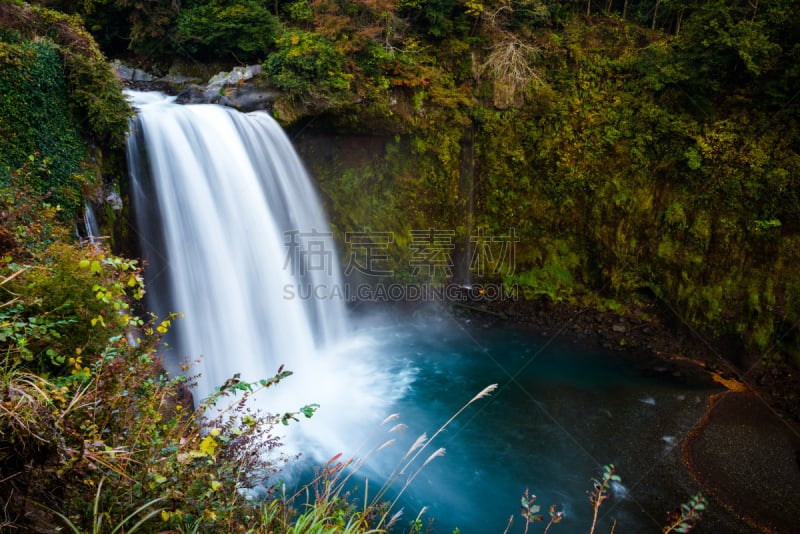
(208, 446)
(209, 515)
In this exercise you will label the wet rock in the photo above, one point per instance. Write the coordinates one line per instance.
(253, 97)
(141, 76)
(123, 72)
(176, 80)
(241, 88)
(619, 328)
(114, 200)
(192, 94)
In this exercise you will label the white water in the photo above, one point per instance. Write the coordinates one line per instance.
(219, 197)
(90, 225)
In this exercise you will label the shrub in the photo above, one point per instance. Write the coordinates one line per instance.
(243, 28)
(310, 69)
(60, 299)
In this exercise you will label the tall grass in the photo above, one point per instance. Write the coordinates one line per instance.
(326, 504)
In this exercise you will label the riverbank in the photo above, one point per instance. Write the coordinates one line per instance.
(745, 450)
(643, 332)
(747, 457)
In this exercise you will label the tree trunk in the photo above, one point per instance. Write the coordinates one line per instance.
(625, 10)
(655, 14)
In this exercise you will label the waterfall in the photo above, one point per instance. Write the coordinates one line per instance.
(90, 225)
(234, 237)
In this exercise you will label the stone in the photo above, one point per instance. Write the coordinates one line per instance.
(218, 79)
(252, 71)
(141, 76)
(240, 88)
(123, 72)
(191, 94)
(114, 200)
(174, 80)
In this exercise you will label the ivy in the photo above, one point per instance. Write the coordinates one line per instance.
(35, 119)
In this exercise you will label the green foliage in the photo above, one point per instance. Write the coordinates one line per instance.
(687, 515)
(725, 43)
(35, 119)
(98, 517)
(530, 511)
(127, 441)
(299, 11)
(437, 18)
(95, 95)
(244, 29)
(628, 176)
(681, 520)
(57, 91)
(141, 26)
(60, 300)
(311, 72)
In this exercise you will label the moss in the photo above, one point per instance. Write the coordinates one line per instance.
(59, 97)
(35, 120)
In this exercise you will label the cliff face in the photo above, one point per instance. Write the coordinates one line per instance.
(601, 184)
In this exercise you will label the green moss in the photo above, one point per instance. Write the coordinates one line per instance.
(35, 119)
(58, 96)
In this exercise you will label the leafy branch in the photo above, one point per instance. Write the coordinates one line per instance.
(687, 515)
(599, 492)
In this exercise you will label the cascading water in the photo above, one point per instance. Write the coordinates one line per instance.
(90, 226)
(234, 236)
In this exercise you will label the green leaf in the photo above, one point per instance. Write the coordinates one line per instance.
(309, 409)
